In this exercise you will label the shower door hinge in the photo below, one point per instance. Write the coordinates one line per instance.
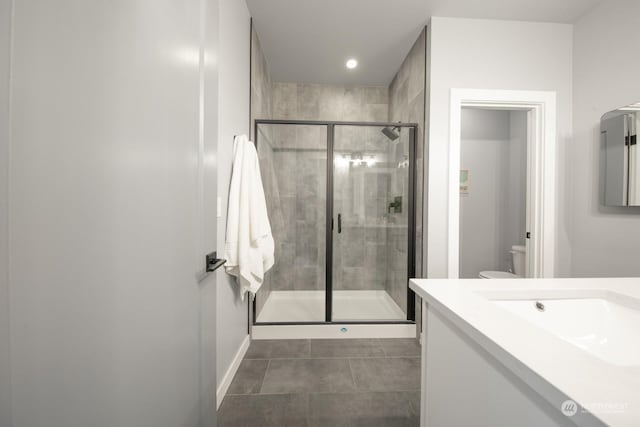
(528, 234)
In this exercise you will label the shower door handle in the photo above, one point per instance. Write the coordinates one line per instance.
(339, 223)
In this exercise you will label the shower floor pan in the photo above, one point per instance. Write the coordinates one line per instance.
(309, 306)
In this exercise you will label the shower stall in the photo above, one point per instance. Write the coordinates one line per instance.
(341, 201)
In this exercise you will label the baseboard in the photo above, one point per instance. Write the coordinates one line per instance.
(231, 372)
(266, 332)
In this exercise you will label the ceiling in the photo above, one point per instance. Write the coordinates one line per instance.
(309, 41)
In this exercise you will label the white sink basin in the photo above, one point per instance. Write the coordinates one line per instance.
(606, 329)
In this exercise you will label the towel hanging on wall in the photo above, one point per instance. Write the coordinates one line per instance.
(249, 246)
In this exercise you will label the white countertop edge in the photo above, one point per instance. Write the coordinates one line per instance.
(566, 371)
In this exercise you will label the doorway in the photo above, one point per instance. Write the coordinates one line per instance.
(539, 111)
(493, 189)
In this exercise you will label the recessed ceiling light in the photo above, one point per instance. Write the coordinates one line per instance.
(352, 63)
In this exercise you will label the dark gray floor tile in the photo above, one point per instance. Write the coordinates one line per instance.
(278, 349)
(364, 409)
(256, 410)
(249, 377)
(401, 347)
(346, 348)
(392, 374)
(307, 375)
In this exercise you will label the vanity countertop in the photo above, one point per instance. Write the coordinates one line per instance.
(551, 365)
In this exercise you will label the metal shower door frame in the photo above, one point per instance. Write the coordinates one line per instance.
(411, 241)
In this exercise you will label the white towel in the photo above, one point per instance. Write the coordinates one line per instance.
(249, 243)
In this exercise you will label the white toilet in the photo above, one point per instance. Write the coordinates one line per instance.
(518, 254)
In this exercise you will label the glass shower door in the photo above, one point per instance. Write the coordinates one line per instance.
(370, 239)
(293, 165)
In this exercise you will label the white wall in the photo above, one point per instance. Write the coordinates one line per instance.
(5, 371)
(492, 214)
(109, 324)
(605, 240)
(488, 54)
(235, 33)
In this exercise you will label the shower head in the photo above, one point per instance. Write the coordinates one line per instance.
(391, 133)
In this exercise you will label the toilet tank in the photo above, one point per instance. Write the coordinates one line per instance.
(518, 252)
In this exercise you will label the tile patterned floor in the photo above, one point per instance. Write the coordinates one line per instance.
(325, 383)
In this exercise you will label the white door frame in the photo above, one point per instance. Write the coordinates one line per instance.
(541, 158)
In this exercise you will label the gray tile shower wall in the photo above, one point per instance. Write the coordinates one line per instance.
(301, 163)
(261, 108)
(300, 158)
(407, 104)
(330, 102)
(261, 84)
